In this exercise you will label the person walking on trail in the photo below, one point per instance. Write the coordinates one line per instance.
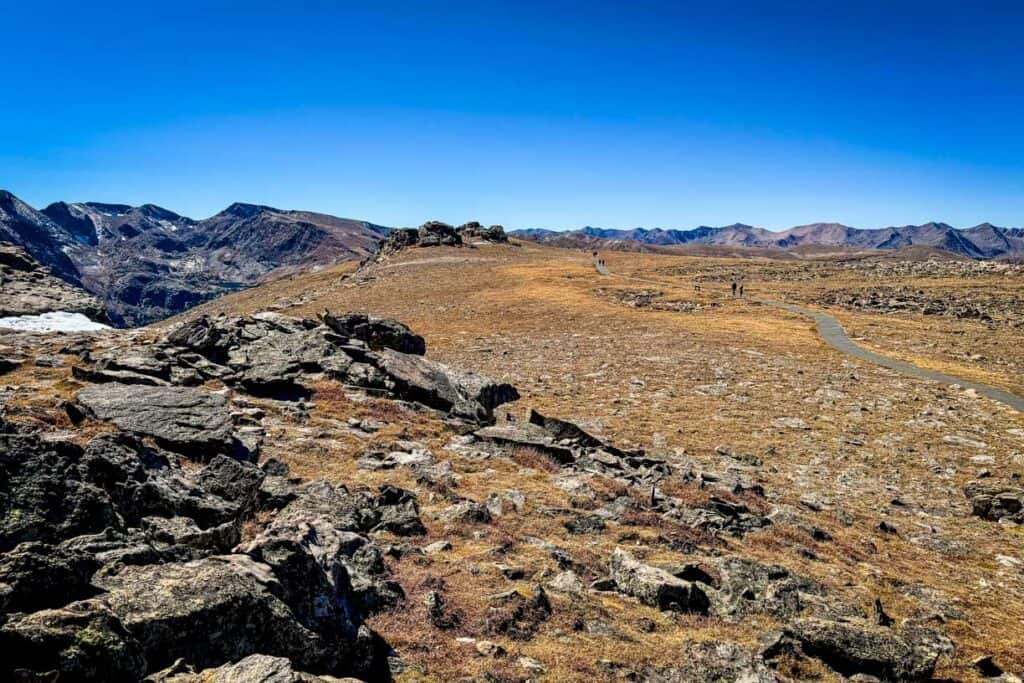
(734, 288)
(741, 291)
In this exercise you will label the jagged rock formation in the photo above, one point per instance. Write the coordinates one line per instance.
(270, 354)
(438, 234)
(122, 557)
(995, 501)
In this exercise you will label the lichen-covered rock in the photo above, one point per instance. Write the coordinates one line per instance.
(36, 576)
(996, 502)
(654, 586)
(189, 420)
(713, 662)
(83, 642)
(221, 609)
(909, 653)
(261, 668)
(43, 496)
(378, 333)
(328, 523)
(464, 394)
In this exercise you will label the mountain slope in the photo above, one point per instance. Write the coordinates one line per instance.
(982, 242)
(248, 241)
(43, 239)
(146, 262)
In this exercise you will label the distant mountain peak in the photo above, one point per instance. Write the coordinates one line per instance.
(109, 209)
(243, 210)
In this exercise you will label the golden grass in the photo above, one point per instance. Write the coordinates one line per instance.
(678, 384)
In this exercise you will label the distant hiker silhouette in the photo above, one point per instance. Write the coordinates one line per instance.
(741, 291)
(734, 288)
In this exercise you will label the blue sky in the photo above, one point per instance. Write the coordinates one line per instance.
(530, 114)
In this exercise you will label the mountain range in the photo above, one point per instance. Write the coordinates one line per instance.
(984, 241)
(146, 262)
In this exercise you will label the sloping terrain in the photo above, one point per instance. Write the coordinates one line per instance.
(800, 492)
(146, 262)
(549, 474)
(983, 241)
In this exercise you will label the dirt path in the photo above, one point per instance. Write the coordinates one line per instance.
(832, 333)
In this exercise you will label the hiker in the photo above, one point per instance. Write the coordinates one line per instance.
(734, 288)
(741, 291)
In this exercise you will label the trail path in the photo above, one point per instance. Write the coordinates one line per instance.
(832, 334)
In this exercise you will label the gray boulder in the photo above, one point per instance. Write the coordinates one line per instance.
(377, 333)
(996, 502)
(188, 420)
(261, 668)
(327, 523)
(43, 494)
(83, 642)
(463, 394)
(36, 576)
(222, 609)
(713, 662)
(909, 653)
(655, 587)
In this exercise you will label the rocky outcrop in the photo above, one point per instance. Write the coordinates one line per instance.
(84, 641)
(653, 586)
(117, 562)
(273, 354)
(438, 234)
(29, 288)
(907, 653)
(262, 668)
(184, 419)
(563, 445)
(377, 333)
(430, 234)
(475, 232)
(996, 502)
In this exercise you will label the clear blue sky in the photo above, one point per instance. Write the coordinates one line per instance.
(531, 114)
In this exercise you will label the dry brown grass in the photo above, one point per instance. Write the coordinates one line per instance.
(527, 456)
(672, 382)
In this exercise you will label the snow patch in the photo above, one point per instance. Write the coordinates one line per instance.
(56, 321)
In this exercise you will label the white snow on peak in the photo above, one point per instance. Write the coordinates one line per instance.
(56, 321)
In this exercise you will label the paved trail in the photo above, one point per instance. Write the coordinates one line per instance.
(832, 334)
